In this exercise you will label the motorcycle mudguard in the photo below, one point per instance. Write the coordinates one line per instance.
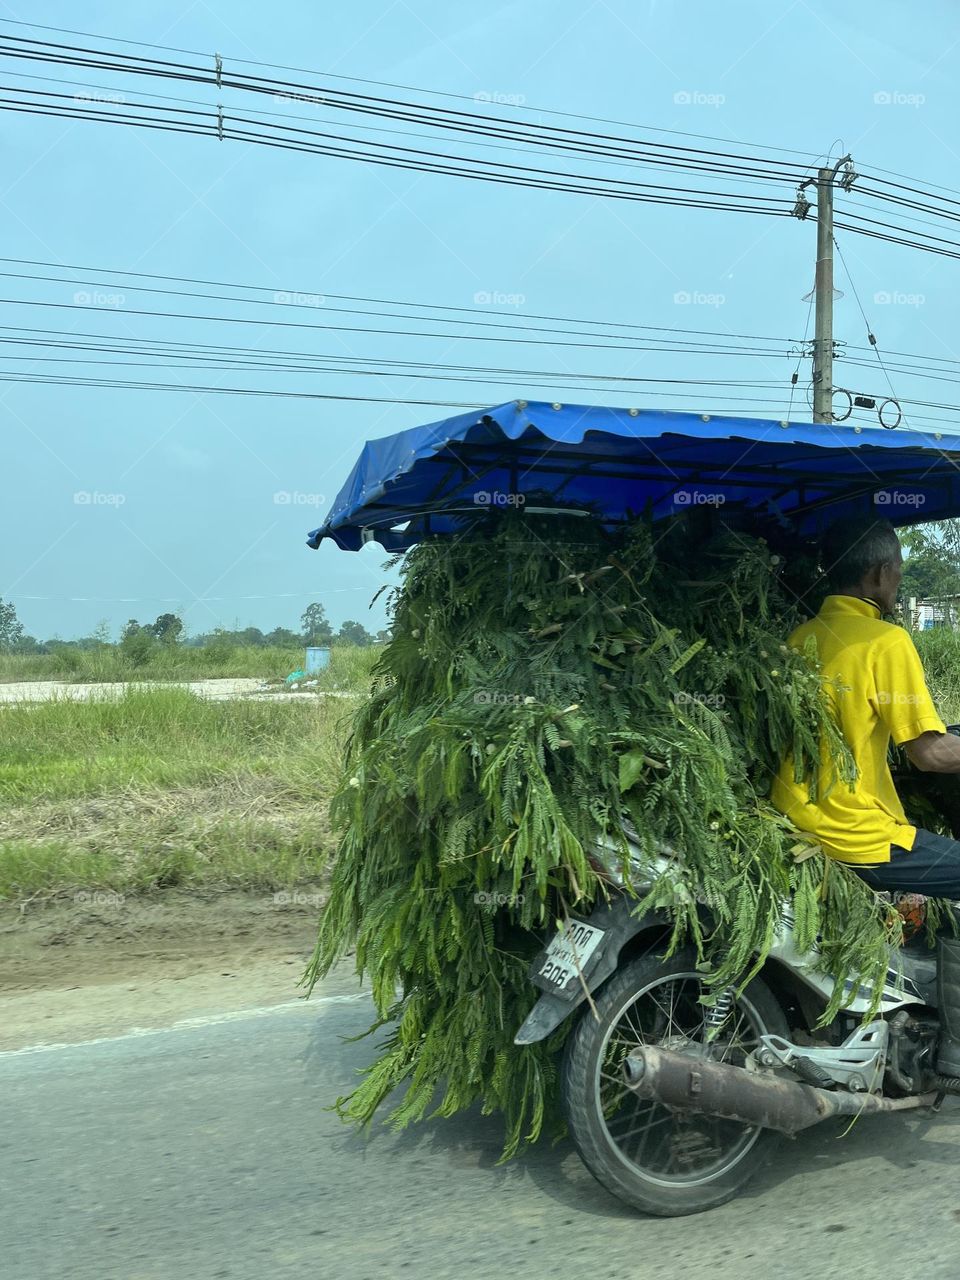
(618, 926)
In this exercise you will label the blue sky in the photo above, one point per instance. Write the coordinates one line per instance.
(185, 513)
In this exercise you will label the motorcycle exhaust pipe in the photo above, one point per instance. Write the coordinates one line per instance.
(732, 1093)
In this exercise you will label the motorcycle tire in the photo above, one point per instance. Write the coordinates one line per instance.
(652, 1189)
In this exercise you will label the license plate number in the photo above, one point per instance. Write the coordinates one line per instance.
(566, 956)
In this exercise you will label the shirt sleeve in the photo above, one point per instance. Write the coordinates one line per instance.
(902, 699)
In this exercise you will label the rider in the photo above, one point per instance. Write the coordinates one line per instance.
(882, 694)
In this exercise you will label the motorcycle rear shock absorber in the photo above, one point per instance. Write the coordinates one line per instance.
(717, 1015)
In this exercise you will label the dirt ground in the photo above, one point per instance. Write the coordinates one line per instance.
(75, 971)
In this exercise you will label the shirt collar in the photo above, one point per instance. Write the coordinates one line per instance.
(851, 605)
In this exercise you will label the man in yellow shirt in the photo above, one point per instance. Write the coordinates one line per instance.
(880, 694)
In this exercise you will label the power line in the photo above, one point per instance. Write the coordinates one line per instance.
(893, 239)
(391, 302)
(549, 379)
(318, 142)
(278, 595)
(379, 128)
(52, 380)
(310, 301)
(408, 158)
(295, 324)
(728, 165)
(405, 87)
(143, 385)
(436, 118)
(719, 404)
(520, 323)
(165, 347)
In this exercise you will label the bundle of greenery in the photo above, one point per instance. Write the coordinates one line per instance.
(547, 679)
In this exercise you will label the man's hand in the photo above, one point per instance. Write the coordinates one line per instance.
(934, 752)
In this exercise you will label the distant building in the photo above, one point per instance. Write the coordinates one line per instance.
(922, 615)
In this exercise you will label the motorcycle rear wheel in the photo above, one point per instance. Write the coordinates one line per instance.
(658, 1160)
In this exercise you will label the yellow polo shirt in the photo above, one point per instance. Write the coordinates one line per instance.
(884, 695)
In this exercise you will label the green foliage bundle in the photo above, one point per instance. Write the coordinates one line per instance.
(543, 682)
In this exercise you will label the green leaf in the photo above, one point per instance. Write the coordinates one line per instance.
(632, 765)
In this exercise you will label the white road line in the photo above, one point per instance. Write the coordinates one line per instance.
(189, 1024)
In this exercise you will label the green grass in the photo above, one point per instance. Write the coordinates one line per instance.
(159, 787)
(173, 662)
(939, 648)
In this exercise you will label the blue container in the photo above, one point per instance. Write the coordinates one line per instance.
(317, 660)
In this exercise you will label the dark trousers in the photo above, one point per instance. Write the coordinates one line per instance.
(931, 867)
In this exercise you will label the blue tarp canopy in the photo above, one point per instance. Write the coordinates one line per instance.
(615, 463)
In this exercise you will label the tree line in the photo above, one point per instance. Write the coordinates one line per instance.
(931, 571)
(137, 639)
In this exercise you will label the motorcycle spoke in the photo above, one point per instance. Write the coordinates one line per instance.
(628, 1018)
(645, 1122)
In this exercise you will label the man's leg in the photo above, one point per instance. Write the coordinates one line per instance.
(932, 867)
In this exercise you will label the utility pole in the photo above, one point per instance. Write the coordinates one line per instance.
(823, 340)
(823, 285)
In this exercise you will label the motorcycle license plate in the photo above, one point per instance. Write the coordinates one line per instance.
(560, 964)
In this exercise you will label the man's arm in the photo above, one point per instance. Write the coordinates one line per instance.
(934, 752)
(904, 704)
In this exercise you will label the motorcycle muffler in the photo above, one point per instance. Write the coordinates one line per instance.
(732, 1093)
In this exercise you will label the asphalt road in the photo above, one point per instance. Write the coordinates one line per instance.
(203, 1151)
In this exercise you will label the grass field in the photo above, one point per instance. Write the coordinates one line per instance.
(167, 662)
(159, 787)
(939, 649)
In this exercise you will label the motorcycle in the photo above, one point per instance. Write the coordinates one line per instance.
(674, 1104)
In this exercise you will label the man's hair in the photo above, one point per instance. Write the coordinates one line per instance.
(855, 545)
